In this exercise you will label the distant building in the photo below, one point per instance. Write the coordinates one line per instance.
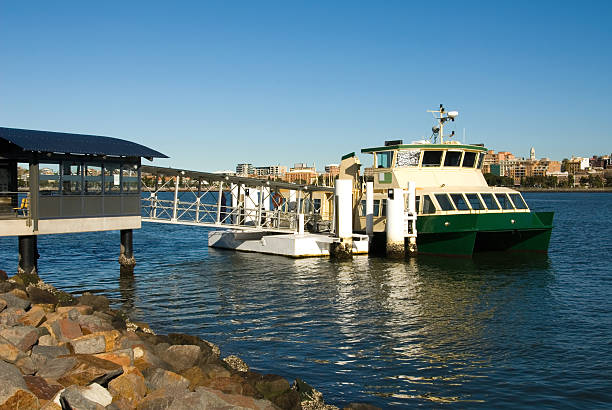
(244, 169)
(301, 173)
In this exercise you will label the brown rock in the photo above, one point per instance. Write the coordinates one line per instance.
(14, 393)
(8, 351)
(130, 386)
(34, 317)
(123, 357)
(3, 275)
(23, 337)
(89, 344)
(90, 369)
(288, 400)
(160, 378)
(202, 376)
(145, 359)
(271, 385)
(2, 304)
(26, 365)
(56, 368)
(93, 324)
(181, 357)
(65, 330)
(234, 384)
(204, 398)
(40, 388)
(157, 400)
(15, 301)
(73, 398)
(44, 296)
(79, 309)
(20, 294)
(47, 340)
(11, 316)
(97, 302)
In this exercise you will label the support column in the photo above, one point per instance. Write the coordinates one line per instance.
(28, 258)
(126, 257)
(395, 223)
(176, 191)
(343, 249)
(219, 201)
(370, 210)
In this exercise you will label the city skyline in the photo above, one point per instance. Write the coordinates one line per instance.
(212, 85)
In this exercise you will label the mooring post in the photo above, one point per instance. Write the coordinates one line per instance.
(219, 199)
(395, 223)
(28, 256)
(126, 256)
(343, 249)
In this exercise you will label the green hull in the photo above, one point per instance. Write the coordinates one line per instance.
(464, 234)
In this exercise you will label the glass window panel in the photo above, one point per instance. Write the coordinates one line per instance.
(384, 208)
(363, 208)
(428, 205)
(383, 159)
(460, 202)
(376, 207)
(469, 159)
(444, 202)
(489, 201)
(480, 159)
(93, 179)
(112, 179)
(518, 201)
(504, 201)
(408, 158)
(417, 202)
(452, 158)
(72, 178)
(23, 175)
(49, 179)
(432, 158)
(474, 201)
(129, 178)
(317, 206)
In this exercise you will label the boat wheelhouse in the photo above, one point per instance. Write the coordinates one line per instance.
(456, 212)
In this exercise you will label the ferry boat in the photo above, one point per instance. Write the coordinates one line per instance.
(454, 211)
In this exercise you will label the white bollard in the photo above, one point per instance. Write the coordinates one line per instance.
(412, 245)
(370, 209)
(395, 223)
(344, 219)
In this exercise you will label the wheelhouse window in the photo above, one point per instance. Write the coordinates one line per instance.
(112, 179)
(452, 158)
(428, 205)
(480, 159)
(49, 179)
(489, 201)
(383, 159)
(129, 180)
(444, 202)
(519, 202)
(459, 202)
(504, 201)
(363, 208)
(432, 158)
(417, 202)
(384, 208)
(474, 201)
(376, 207)
(469, 159)
(93, 179)
(72, 173)
(408, 158)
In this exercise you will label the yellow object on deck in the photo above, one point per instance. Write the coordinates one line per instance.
(23, 208)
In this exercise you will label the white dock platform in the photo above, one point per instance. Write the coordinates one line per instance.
(292, 245)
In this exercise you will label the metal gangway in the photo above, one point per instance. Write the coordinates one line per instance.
(178, 196)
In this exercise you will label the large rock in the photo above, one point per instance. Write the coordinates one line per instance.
(123, 357)
(145, 359)
(23, 337)
(65, 330)
(34, 317)
(40, 388)
(14, 392)
(90, 369)
(202, 376)
(160, 378)
(56, 368)
(160, 399)
(129, 387)
(97, 302)
(73, 398)
(270, 385)
(181, 357)
(15, 301)
(41, 354)
(42, 296)
(11, 316)
(89, 344)
(93, 324)
(205, 398)
(8, 351)
(26, 365)
(210, 353)
(98, 394)
(47, 340)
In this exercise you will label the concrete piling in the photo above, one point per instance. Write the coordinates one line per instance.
(343, 249)
(395, 223)
(126, 257)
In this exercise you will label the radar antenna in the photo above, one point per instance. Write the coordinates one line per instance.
(438, 130)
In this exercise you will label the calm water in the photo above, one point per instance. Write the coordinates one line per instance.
(498, 330)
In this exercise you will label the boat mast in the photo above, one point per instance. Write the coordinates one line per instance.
(442, 119)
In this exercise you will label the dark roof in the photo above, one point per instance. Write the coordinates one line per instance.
(61, 142)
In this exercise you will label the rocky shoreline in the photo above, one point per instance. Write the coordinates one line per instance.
(62, 352)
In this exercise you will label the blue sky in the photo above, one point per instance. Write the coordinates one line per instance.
(212, 84)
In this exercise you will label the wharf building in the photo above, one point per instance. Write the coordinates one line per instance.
(54, 183)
